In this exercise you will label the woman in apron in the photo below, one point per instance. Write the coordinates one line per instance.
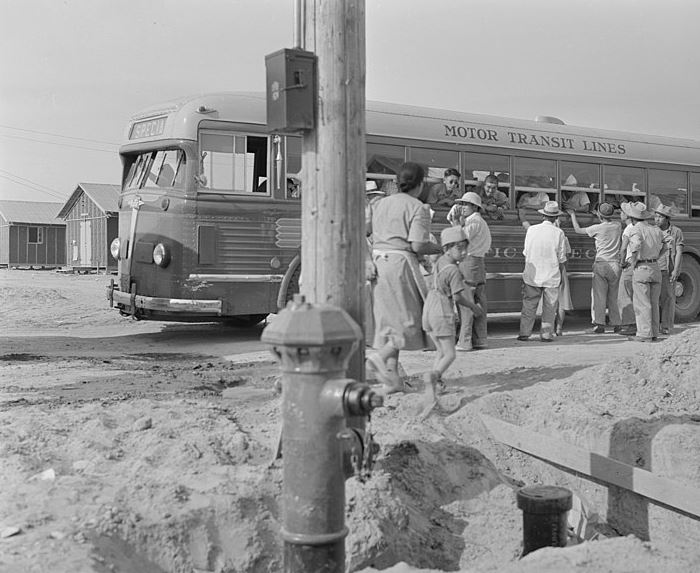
(400, 232)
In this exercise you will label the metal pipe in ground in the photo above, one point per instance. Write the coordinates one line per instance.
(545, 509)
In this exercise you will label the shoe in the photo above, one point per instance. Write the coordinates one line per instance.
(546, 339)
(389, 377)
(640, 339)
(664, 331)
(597, 329)
(559, 332)
(462, 348)
(627, 332)
(523, 338)
(617, 329)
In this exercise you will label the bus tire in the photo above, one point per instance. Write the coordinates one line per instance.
(290, 283)
(688, 290)
(245, 320)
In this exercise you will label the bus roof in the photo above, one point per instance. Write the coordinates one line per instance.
(179, 119)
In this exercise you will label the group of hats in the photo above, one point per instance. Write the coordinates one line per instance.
(638, 210)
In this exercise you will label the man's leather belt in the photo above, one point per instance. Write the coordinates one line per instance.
(646, 261)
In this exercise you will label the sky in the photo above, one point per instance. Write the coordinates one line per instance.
(72, 72)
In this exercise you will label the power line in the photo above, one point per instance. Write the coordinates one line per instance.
(59, 135)
(32, 185)
(59, 144)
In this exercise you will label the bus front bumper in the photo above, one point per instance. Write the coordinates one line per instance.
(132, 302)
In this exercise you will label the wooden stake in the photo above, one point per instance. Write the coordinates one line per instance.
(662, 490)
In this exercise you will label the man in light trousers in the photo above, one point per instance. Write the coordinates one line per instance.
(545, 255)
(606, 266)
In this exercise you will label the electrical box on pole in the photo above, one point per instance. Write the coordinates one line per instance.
(291, 90)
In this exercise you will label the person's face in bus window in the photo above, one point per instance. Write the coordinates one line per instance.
(451, 182)
(490, 187)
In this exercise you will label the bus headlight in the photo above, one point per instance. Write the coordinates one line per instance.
(161, 255)
(114, 248)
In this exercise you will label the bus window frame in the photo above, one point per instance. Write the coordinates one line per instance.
(650, 192)
(233, 133)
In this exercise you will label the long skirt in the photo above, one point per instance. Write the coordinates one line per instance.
(398, 299)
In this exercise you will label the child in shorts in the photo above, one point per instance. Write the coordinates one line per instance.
(447, 287)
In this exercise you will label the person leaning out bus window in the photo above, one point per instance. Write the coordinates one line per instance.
(574, 200)
(528, 202)
(400, 232)
(493, 201)
(445, 193)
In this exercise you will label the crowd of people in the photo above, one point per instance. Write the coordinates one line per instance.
(632, 286)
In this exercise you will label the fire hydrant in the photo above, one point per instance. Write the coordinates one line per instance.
(313, 344)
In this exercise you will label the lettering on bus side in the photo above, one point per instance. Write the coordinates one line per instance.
(535, 140)
(514, 253)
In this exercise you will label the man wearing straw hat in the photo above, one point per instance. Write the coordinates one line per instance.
(545, 255)
(646, 246)
(606, 266)
(670, 266)
(372, 195)
(473, 329)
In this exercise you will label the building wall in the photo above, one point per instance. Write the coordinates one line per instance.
(83, 213)
(4, 243)
(51, 253)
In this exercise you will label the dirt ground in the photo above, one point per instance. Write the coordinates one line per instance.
(146, 447)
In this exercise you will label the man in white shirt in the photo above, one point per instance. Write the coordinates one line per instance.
(473, 329)
(545, 255)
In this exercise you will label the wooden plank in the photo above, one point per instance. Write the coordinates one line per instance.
(602, 468)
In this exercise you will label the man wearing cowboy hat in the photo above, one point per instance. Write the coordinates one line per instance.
(545, 255)
(473, 329)
(606, 265)
(670, 266)
(646, 246)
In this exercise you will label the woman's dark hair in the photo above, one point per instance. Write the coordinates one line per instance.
(451, 171)
(410, 176)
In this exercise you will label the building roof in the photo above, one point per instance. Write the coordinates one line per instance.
(104, 195)
(30, 212)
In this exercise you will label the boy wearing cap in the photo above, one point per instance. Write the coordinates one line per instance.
(646, 246)
(670, 266)
(606, 266)
(473, 329)
(545, 256)
(447, 288)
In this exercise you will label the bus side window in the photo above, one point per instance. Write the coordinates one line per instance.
(233, 163)
(669, 188)
(580, 186)
(622, 184)
(695, 194)
(489, 176)
(383, 163)
(442, 176)
(534, 182)
(293, 167)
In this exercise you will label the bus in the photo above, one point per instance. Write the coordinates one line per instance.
(210, 203)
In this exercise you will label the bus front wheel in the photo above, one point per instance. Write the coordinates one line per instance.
(688, 290)
(245, 320)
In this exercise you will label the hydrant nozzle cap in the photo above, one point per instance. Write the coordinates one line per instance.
(305, 324)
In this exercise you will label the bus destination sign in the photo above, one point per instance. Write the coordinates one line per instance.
(147, 128)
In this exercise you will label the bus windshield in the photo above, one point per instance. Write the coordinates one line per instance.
(165, 168)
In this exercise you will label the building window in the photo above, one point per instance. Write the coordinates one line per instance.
(36, 235)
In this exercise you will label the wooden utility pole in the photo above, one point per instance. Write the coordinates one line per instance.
(333, 161)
